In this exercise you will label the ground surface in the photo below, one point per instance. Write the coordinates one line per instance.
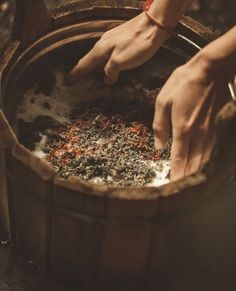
(20, 274)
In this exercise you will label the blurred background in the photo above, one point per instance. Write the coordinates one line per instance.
(218, 15)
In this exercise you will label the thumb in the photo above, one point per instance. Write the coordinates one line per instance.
(112, 71)
(161, 124)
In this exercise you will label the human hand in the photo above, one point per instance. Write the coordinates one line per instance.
(188, 103)
(124, 47)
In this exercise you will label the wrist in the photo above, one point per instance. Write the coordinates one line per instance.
(157, 34)
(209, 65)
(203, 61)
(167, 12)
(163, 19)
(219, 57)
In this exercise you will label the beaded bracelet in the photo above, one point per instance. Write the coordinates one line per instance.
(147, 5)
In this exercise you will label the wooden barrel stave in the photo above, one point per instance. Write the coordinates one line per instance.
(30, 198)
(194, 249)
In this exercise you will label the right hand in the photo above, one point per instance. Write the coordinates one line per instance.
(188, 103)
(124, 47)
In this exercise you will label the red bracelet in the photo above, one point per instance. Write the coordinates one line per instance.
(147, 5)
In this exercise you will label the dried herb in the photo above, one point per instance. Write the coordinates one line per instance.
(109, 141)
(101, 145)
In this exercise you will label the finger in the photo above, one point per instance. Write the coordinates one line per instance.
(90, 62)
(211, 134)
(179, 156)
(112, 71)
(210, 139)
(196, 149)
(208, 147)
(161, 124)
(201, 141)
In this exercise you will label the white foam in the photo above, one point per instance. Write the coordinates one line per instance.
(33, 104)
(162, 169)
(38, 150)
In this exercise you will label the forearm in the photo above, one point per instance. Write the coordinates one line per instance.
(168, 12)
(219, 57)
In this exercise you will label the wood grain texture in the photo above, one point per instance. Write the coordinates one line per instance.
(31, 21)
(76, 246)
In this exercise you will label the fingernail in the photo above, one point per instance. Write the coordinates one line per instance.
(159, 144)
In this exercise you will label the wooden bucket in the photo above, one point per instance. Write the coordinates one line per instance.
(180, 236)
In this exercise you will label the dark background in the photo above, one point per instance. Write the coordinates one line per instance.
(218, 15)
